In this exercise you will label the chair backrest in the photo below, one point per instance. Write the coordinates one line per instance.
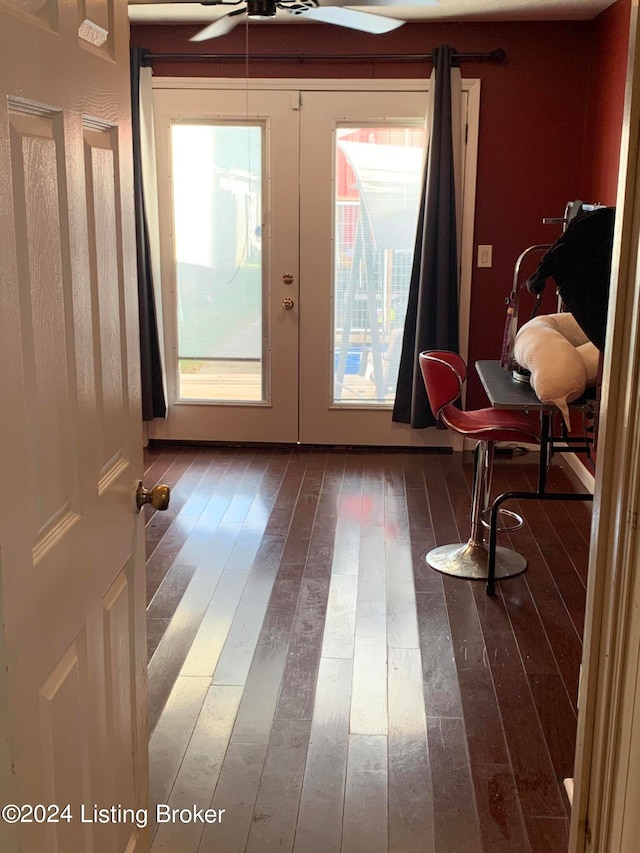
(444, 373)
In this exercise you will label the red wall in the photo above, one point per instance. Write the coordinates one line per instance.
(608, 70)
(604, 113)
(537, 145)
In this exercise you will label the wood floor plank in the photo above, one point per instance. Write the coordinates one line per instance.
(156, 629)
(411, 827)
(166, 600)
(397, 517)
(200, 769)
(369, 697)
(319, 559)
(558, 719)
(413, 470)
(218, 482)
(166, 663)
(171, 737)
(275, 815)
(559, 626)
(402, 617)
(263, 683)
(442, 516)
(538, 786)
(346, 541)
(371, 622)
(340, 623)
(245, 549)
(204, 652)
(322, 801)
(372, 491)
(298, 544)
(562, 478)
(369, 703)
(236, 792)
(440, 679)
(528, 629)
(501, 823)
(165, 555)
(422, 539)
(296, 699)
(236, 656)
(393, 474)
(483, 722)
(365, 822)
(372, 576)
(203, 758)
(570, 521)
(157, 461)
(456, 822)
(181, 476)
(548, 834)
(561, 569)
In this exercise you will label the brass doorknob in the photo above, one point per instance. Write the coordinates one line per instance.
(158, 496)
(287, 304)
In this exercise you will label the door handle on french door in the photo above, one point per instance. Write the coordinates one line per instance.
(287, 304)
(158, 496)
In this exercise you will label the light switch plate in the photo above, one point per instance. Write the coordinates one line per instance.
(485, 256)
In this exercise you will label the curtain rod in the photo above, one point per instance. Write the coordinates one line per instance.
(497, 55)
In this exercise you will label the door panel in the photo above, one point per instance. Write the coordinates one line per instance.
(354, 281)
(231, 348)
(72, 648)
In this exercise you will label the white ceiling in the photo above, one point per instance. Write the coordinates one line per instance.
(144, 11)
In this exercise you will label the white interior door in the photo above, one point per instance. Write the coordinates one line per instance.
(228, 187)
(288, 218)
(72, 647)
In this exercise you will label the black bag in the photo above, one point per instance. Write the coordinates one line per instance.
(580, 264)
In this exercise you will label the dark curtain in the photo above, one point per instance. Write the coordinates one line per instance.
(153, 399)
(432, 308)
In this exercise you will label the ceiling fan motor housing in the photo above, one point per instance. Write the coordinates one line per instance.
(261, 8)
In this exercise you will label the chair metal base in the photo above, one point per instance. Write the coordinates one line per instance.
(515, 521)
(468, 560)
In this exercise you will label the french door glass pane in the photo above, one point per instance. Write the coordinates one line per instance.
(217, 198)
(377, 194)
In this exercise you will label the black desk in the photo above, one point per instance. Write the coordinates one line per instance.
(505, 392)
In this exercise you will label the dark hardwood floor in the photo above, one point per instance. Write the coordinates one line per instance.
(313, 677)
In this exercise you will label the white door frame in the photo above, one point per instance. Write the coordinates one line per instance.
(470, 85)
(605, 815)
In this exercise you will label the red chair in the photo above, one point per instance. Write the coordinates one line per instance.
(444, 374)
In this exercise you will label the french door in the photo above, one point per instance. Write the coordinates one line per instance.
(287, 219)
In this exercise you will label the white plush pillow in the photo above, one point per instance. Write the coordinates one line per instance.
(590, 354)
(567, 325)
(548, 347)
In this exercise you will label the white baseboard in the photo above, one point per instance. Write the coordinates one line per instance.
(586, 477)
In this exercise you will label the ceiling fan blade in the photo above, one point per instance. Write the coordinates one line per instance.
(365, 3)
(353, 19)
(220, 27)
